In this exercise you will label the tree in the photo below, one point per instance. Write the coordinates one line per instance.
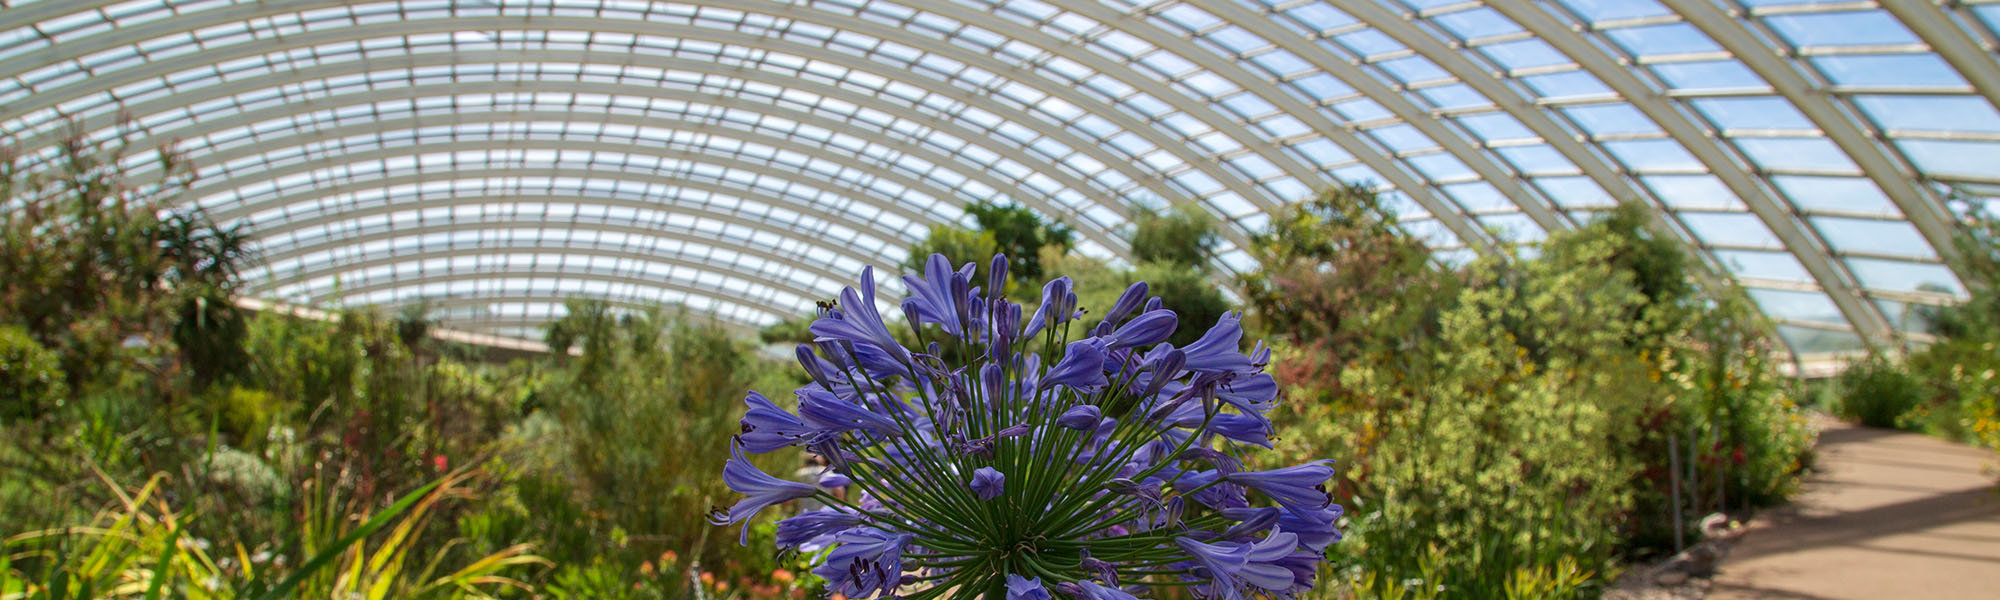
(1330, 264)
(1021, 234)
(958, 244)
(96, 259)
(1182, 236)
(1173, 250)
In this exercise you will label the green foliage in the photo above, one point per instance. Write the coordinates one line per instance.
(123, 353)
(93, 260)
(1948, 387)
(959, 244)
(640, 411)
(1181, 237)
(1507, 424)
(31, 377)
(1339, 281)
(795, 330)
(353, 562)
(1484, 448)
(141, 547)
(1018, 232)
(1021, 235)
(1173, 250)
(136, 548)
(598, 580)
(1877, 392)
(209, 333)
(1978, 266)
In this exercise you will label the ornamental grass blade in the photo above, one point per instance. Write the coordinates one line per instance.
(340, 546)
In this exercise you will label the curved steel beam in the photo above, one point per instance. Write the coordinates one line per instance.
(105, 82)
(326, 218)
(375, 209)
(241, 208)
(1454, 59)
(627, 302)
(719, 297)
(1490, 170)
(1695, 139)
(304, 247)
(1397, 172)
(237, 179)
(1898, 181)
(1933, 22)
(906, 147)
(306, 137)
(300, 247)
(364, 284)
(283, 78)
(459, 146)
(340, 269)
(955, 128)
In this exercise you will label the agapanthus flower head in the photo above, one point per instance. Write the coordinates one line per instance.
(1036, 460)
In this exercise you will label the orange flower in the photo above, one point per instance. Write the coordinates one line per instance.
(782, 576)
(721, 586)
(708, 579)
(669, 558)
(646, 568)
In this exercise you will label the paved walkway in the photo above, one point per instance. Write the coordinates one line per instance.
(1887, 515)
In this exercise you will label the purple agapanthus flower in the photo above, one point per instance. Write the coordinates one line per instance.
(1083, 417)
(1134, 296)
(762, 490)
(830, 414)
(988, 483)
(767, 427)
(1088, 590)
(1246, 429)
(865, 560)
(858, 322)
(1058, 307)
(1315, 528)
(1300, 489)
(1023, 588)
(941, 295)
(1147, 329)
(813, 525)
(1082, 367)
(1216, 351)
(1120, 456)
(1234, 567)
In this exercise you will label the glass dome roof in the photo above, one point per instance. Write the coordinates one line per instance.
(747, 157)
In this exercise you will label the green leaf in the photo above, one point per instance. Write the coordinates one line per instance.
(161, 569)
(328, 554)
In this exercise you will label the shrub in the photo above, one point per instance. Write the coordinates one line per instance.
(31, 377)
(638, 413)
(1182, 236)
(1877, 392)
(1956, 373)
(1507, 424)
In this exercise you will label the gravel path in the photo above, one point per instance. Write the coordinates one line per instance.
(1887, 514)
